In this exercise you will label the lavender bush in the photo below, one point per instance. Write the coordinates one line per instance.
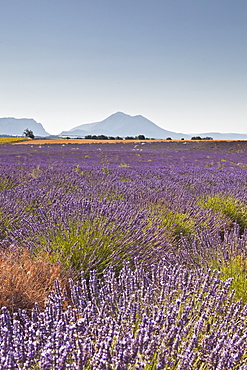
(145, 222)
(167, 318)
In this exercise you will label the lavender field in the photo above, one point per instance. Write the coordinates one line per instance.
(152, 238)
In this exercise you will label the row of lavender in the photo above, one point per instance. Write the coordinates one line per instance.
(94, 206)
(168, 318)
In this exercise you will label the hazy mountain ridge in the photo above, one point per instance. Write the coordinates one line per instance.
(15, 126)
(117, 124)
(225, 136)
(121, 124)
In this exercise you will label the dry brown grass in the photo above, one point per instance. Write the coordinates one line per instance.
(25, 280)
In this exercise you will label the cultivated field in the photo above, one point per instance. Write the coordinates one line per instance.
(87, 141)
(124, 256)
(81, 141)
(11, 140)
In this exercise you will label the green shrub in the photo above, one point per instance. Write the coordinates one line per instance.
(232, 208)
(82, 246)
(235, 268)
(94, 244)
(176, 223)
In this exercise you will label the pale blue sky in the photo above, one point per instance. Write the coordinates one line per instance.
(180, 63)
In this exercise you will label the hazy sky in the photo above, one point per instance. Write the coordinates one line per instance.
(180, 63)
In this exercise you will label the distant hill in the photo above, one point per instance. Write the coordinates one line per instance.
(222, 136)
(15, 126)
(121, 124)
(78, 133)
(118, 124)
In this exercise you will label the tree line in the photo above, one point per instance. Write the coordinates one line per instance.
(30, 134)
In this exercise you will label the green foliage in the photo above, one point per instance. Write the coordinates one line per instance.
(94, 244)
(179, 223)
(235, 268)
(141, 137)
(233, 209)
(82, 246)
(78, 170)
(176, 223)
(103, 137)
(201, 138)
(196, 138)
(5, 184)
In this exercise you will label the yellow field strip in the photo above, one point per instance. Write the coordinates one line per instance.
(10, 140)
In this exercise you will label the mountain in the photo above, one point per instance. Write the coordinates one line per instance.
(16, 126)
(118, 124)
(223, 136)
(76, 132)
(121, 124)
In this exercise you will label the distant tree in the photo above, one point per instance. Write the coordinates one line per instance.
(182, 138)
(207, 138)
(141, 137)
(129, 138)
(102, 137)
(29, 133)
(196, 138)
(168, 138)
